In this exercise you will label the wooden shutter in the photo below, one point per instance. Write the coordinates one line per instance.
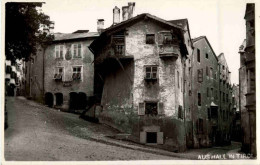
(159, 137)
(143, 137)
(141, 109)
(200, 75)
(160, 108)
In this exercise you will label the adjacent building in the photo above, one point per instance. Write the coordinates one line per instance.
(61, 74)
(205, 93)
(247, 101)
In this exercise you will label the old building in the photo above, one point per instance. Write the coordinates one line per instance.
(247, 84)
(141, 63)
(61, 75)
(205, 93)
(225, 97)
(236, 125)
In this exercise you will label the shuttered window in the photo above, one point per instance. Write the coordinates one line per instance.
(200, 75)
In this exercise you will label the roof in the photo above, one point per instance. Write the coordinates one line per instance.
(81, 31)
(201, 37)
(73, 36)
(118, 27)
(142, 16)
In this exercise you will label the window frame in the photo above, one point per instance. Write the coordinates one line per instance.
(151, 72)
(81, 71)
(60, 51)
(56, 71)
(77, 51)
(199, 99)
(153, 39)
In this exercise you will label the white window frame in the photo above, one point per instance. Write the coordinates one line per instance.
(57, 72)
(77, 51)
(58, 48)
(77, 66)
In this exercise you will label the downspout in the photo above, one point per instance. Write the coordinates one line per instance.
(183, 83)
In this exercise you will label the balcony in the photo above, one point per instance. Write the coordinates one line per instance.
(250, 100)
(168, 51)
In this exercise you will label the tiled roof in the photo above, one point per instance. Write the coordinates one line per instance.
(71, 36)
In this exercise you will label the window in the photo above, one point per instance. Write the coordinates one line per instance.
(211, 73)
(167, 38)
(226, 97)
(181, 84)
(77, 73)
(198, 55)
(150, 39)
(209, 114)
(223, 96)
(200, 126)
(223, 67)
(207, 92)
(199, 99)
(59, 51)
(207, 71)
(76, 50)
(151, 137)
(151, 72)
(58, 73)
(119, 43)
(212, 92)
(207, 55)
(200, 75)
(151, 108)
(180, 112)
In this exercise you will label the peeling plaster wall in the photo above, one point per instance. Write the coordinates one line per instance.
(164, 90)
(86, 85)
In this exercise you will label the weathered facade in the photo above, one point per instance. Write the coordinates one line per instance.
(205, 93)
(142, 63)
(247, 84)
(61, 75)
(225, 101)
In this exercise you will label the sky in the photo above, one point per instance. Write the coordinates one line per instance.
(221, 21)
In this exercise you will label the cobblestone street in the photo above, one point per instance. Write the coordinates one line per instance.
(39, 133)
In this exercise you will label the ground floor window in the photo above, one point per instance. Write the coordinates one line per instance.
(151, 137)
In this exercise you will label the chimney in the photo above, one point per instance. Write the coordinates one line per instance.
(100, 25)
(131, 7)
(51, 27)
(116, 15)
(125, 13)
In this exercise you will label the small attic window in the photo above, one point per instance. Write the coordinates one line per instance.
(150, 39)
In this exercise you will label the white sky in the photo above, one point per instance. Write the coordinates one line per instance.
(222, 21)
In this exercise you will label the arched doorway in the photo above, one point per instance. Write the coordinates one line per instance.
(59, 99)
(49, 99)
(73, 100)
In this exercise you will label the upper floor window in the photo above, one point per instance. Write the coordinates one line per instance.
(151, 72)
(118, 41)
(198, 55)
(165, 37)
(207, 55)
(76, 50)
(59, 51)
(180, 112)
(77, 73)
(211, 72)
(199, 99)
(223, 67)
(200, 75)
(150, 108)
(207, 71)
(178, 79)
(150, 39)
(58, 73)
